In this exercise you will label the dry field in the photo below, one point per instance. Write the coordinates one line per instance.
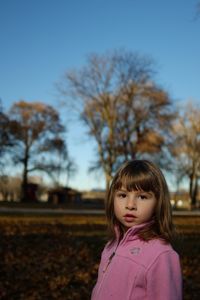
(56, 257)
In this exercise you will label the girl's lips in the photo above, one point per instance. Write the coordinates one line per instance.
(129, 218)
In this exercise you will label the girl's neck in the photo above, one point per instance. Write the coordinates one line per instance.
(132, 231)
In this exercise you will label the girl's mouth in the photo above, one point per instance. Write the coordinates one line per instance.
(129, 218)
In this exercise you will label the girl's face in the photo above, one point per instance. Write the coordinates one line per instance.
(133, 207)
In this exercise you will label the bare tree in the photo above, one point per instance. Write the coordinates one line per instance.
(187, 148)
(144, 120)
(37, 131)
(60, 165)
(5, 139)
(123, 109)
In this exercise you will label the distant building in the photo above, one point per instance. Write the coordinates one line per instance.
(32, 192)
(94, 198)
(10, 188)
(63, 195)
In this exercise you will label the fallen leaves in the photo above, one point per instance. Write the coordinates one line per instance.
(58, 259)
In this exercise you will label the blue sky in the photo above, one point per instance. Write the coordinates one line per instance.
(41, 39)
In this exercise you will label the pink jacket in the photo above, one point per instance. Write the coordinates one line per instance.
(138, 270)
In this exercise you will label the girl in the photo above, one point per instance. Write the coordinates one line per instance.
(139, 262)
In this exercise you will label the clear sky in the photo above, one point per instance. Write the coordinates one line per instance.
(41, 39)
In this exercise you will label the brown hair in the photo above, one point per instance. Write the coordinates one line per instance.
(146, 176)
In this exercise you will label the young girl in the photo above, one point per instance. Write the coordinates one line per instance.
(139, 262)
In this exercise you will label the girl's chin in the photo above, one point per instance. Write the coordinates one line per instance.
(127, 226)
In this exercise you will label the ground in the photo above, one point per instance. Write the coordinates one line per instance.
(56, 257)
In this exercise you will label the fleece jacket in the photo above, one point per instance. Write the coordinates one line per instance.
(138, 270)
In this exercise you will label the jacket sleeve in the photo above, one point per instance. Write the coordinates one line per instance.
(164, 279)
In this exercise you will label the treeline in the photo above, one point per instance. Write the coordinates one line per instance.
(126, 112)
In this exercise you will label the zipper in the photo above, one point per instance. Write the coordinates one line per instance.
(104, 270)
(109, 261)
(103, 276)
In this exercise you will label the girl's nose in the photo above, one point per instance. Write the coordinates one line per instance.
(131, 204)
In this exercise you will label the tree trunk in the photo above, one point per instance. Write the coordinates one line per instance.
(194, 193)
(24, 185)
(108, 180)
(193, 190)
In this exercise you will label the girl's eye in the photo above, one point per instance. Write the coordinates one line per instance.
(121, 195)
(142, 196)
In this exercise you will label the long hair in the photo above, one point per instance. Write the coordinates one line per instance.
(145, 176)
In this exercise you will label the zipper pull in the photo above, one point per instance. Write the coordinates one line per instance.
(109, 261)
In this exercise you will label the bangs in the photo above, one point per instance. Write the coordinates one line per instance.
(137, 180)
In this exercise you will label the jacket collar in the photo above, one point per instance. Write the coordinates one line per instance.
(132, 233)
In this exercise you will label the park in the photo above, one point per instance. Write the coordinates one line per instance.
(87, 86)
